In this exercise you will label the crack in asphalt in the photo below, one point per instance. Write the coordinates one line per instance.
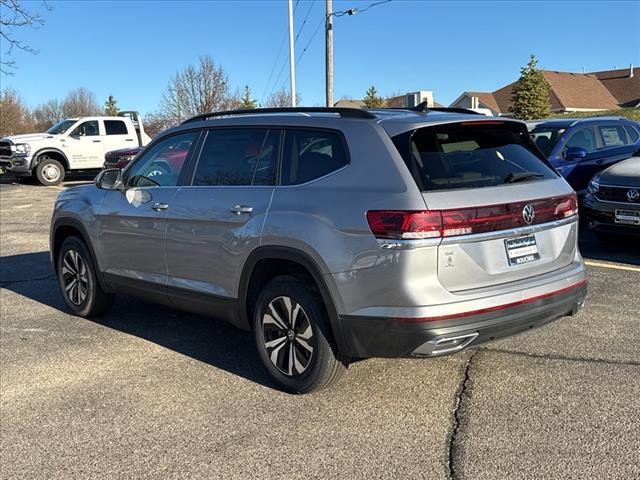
(561, 357)
(6, 283)
(456, 416)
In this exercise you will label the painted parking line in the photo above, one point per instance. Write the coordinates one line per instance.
(612, 266)
(24, 206)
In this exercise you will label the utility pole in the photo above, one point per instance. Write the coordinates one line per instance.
(329, 53)
(292, 66)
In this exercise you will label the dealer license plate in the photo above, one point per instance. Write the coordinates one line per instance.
(628, 217)
(521, 250)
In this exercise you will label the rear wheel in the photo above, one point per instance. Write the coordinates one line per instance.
(294, 338)
(49, 171)
(78, 282)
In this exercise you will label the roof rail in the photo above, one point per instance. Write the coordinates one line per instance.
(425, 108)
(342, 111)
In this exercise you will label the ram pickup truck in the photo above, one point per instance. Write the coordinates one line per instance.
(72, 144)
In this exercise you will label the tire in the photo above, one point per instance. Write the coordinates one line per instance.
(75, 267)
(49, 172)
(301, 358)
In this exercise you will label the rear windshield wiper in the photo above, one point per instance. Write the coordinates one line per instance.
(520, 176)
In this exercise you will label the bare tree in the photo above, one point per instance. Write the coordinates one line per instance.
(48, 114)
(156, 122)
(80, 103)
(14, 15)
(197, 89)
(281, 98)
(14, 115)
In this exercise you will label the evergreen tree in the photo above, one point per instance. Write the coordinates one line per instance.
(372, 100)
(246, 102)
(111, 107)
(530, 99)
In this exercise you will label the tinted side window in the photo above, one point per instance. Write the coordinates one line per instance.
(633, 133)
(87, 129)
(584, 138)
(265, 172)
(613, 135)
(115, 127)
(311, 154)
(162, 163)
(229, 156)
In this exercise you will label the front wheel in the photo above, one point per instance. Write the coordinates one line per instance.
(79, 284)
(49, 171)
(294, 338)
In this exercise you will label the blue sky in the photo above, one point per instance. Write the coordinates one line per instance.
(131, 49)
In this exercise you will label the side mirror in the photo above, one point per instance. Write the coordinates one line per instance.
(110, 179)
(575, 153)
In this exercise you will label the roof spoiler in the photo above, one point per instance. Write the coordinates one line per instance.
(342, 111)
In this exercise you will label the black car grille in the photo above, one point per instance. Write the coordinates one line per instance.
(5, 149)
(616, 194)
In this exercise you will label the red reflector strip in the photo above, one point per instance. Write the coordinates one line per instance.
(492, 309)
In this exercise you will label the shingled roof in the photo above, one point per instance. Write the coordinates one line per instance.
(607, 90)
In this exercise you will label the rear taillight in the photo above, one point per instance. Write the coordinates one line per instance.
(397, 224)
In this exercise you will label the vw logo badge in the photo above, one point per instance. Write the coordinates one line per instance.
(633, 195)
(528, 214)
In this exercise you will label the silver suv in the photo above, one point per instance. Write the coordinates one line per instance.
(331, 234)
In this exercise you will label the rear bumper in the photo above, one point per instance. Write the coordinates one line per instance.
(432, 336)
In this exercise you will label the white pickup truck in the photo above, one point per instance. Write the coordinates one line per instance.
(72, 144)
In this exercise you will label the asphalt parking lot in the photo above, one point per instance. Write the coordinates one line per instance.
(149, 391)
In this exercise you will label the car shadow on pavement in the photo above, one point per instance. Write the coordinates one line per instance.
(624, 249)
(202, 338)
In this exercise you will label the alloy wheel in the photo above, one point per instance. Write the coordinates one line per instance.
(75, 277)
(287, 336)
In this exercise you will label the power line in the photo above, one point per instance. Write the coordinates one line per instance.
(353, 11)
(313, 35)
(305, 20)
(280, 50)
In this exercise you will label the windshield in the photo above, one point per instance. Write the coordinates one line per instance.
(61, 127)
(470, 156)
(546, 137)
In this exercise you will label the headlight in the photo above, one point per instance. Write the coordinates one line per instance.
(594, 184)
(22, 148)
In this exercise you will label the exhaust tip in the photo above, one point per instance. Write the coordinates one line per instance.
(445, 344)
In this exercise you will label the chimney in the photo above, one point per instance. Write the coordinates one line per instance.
(631, 70)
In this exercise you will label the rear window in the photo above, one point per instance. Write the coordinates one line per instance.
(456, 156)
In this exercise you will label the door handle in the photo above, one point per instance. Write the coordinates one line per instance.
(159, 207)
(240, 209)
(129, 140)
(96, 141)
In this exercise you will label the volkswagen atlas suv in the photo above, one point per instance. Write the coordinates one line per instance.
(332, 234)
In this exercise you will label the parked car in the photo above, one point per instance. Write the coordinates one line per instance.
(580, 148)
(612, 205)
(120, 158)
(332, 234)
(72, 144)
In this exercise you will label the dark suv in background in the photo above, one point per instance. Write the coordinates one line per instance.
(580, 148)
